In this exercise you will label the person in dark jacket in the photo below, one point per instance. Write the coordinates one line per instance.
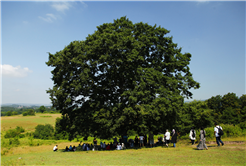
(145, 140)
(174, 138)
(136, 141)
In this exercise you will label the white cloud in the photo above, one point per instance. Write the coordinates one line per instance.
(49, 18)
(84, 4)
(61, 6)
(10, 71)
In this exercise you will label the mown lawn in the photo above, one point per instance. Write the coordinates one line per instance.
(231, 154)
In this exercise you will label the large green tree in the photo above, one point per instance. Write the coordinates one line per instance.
(123, 77)
(42, 109)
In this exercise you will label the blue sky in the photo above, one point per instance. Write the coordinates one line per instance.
(213, 32)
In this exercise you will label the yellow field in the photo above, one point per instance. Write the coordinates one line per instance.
(27, 122)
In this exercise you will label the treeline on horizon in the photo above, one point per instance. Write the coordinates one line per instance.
(10, 111)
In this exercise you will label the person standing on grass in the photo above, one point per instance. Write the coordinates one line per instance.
(55, 148)
(125, 140)
(136, 141)
(104, 146)
(202, 143)
(167, 136)
(216, 133)
(95, 144)
(151, 139)
(141, 140)
(174, 138)
(145, 140)
(192, 135)
(115, 141)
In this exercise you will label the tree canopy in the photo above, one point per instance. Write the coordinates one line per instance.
(42, 109)
(124, 77)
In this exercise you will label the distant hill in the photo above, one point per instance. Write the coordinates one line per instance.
(24, 105)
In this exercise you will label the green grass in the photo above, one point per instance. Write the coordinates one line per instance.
(182, 155)
(45, 116)
(40, 153)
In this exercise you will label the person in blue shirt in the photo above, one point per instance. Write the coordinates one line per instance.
(70, 148)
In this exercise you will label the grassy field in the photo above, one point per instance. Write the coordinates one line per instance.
(230, 154)
(27, 122)
(233, 153)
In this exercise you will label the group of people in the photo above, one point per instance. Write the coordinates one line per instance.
(167, 135)
(70, 148)
(202, 145)
(141, 141)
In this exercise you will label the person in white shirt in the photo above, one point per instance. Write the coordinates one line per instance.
(55, 148)
(192, 135)
(218, 137)
(141, 139)
(118, 146)
(123, 147)
(167, 136)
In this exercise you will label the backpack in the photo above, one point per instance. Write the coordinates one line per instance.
(220, 132)
(193, 134)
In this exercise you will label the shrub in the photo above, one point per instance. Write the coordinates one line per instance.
(62, 136)
(15, 141)
(9, 113)
(231, 130)
(243, 125)
(30, 141)
(24, 114)
(14, 113)
(20, 129)
(29, 112)
(11, 133)
(44, 131)
(61, 128)
(29, 134)
(21, 135)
